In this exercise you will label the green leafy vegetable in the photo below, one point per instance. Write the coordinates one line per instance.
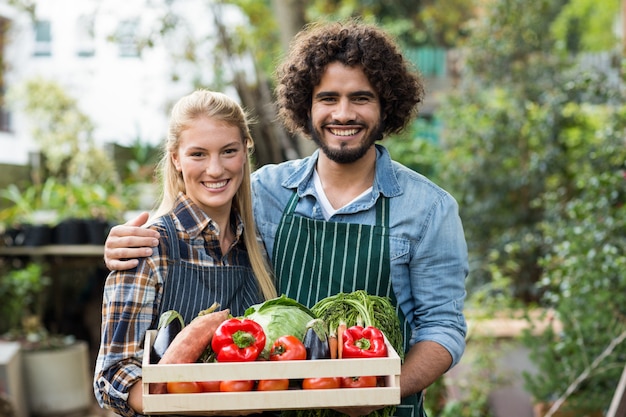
(278, 317)
(363, 309)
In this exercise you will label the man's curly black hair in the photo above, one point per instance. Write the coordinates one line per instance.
(355, 44)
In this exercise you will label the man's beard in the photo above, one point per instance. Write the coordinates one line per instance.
(346, 155)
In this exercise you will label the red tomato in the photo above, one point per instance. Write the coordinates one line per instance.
(287, 348)
(183, 387)
(321, 383)
(272, 385)
(209, 386)
(236, 386)
(358, 381)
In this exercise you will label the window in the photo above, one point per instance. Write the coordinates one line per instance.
(126, 37)
(85, 38)
(43, 38)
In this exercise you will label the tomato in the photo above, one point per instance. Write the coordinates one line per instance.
(272, 385)
(209, 386)
(183, 387)
(287, 348)
(236, 386)
(358, 381)
(321, 383)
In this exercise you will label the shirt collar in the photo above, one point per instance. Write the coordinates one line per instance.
(385, 181)
(194, 220)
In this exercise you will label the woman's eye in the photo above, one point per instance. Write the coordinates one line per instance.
(230, 151)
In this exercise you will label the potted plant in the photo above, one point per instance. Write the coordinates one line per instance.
(580, 362)
(32, 214)
(45, 356)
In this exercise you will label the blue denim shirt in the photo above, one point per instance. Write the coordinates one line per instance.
(428, 249)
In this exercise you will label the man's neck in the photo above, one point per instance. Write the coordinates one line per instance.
(344, 182)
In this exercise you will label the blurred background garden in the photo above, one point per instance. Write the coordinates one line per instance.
(524, 123)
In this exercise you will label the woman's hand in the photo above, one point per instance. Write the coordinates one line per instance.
(129, 241)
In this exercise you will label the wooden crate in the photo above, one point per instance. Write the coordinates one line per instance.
(222, 403)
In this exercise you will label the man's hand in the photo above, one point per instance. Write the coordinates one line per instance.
(357, 411)
(129, 241)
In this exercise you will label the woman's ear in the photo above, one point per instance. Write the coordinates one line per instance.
(176, 162)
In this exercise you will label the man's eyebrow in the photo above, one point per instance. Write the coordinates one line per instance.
(323, 94)
(367, 93)
(359, 93)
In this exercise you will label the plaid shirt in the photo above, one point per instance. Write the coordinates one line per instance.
(132, 299)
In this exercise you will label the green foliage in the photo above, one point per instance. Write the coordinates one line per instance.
(472, 385)
(80, 177)
(53, 201)
(509, 137)
(63, 133)
(429, 22)
(417, 147)
(509, 46)
(584, 262)
(260, 36)
(27, 205)
(21, 293)
(583, 26)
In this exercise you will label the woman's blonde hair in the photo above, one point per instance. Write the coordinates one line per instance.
(214, 105)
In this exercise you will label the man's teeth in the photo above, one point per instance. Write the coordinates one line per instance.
(215, 184)
(344, 132)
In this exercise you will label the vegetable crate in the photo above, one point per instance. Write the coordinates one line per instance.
(221, 403)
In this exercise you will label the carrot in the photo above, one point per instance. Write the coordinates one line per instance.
(340, 330)
(332, 345)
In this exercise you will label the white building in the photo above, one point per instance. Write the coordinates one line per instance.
(127, 96)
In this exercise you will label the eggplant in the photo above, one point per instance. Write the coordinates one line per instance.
(316, 340)
(170, 324)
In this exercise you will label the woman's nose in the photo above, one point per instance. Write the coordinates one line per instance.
(215, 168)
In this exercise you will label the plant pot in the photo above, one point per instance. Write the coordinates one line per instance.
(97, 230)
(58, 380)
(71, 232)
(540, 410)
(37, 235)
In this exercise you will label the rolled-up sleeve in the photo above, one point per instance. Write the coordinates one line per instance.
(129, 309)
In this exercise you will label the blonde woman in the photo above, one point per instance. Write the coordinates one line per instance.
(208, 249)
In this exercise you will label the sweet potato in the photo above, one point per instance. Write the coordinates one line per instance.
(193, 339)
(190, 342)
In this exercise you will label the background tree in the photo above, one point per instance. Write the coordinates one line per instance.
(504, 136)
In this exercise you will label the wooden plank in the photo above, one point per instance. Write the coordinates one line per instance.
(53, 250)
(618, 404)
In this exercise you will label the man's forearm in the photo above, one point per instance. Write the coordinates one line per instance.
(423, 364)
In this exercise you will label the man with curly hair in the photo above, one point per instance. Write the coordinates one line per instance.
(349, 217)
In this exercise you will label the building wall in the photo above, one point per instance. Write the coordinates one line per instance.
(125, 97)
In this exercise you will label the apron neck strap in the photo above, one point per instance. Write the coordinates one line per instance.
(382, 209)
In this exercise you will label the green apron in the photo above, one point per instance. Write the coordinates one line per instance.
(308, 252)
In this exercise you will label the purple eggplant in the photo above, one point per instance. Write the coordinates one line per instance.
(170, 324)
(316, 340)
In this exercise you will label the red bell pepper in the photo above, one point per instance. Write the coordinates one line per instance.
(364, 342)
(238, 340)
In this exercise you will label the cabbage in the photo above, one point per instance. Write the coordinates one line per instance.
(278, 317)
